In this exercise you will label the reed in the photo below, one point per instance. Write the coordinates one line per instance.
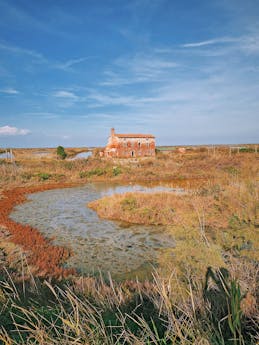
(125, 313)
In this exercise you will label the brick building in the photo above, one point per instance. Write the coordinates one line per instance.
(130, 145)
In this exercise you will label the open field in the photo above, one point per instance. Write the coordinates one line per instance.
(206, 288)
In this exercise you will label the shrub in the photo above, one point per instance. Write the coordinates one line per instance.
(61, 152)
(246, 149)
(44, 176)
(93, 172)
(96, 171)
(116, 171)
(83, 174)
(129, 204)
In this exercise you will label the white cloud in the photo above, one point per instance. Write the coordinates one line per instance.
(140, 68)
(8, 130)
(9, 91)
(18, 50)
(40, 58)
(250, 43)
(66, 94)
(246, 43)
(209, 42)
(69, 63)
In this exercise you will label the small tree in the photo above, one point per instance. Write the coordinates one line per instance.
(61, 152)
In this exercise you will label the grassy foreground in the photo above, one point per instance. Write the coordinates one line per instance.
(91, 311)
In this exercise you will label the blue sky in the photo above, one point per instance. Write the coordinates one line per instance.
(186, 71)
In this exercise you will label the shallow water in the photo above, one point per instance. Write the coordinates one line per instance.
(98, 245)
(6, 155)
(82, 155)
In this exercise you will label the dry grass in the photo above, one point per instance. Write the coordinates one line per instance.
(215, 225)
(192, 166)
(90, 311)
(209, 223)
(142, 208)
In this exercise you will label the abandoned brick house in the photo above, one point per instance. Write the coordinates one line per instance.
(130, 145)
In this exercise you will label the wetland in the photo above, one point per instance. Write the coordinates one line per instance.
(97, 245)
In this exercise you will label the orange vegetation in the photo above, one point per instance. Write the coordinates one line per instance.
(44, 257)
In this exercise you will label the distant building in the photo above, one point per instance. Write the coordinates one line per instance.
(130, 145)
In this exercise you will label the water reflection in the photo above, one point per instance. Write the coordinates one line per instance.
(97, 244)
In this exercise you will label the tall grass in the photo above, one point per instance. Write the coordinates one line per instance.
(91, 311)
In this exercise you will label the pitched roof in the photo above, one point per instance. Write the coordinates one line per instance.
(134, 135)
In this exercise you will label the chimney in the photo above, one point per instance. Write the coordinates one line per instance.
(112, 132)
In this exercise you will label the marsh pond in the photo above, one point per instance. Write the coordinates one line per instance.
(98, 245)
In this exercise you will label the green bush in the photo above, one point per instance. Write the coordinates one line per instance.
(116, 171)
(61, 152)
(246, 149)
(44, 176)
(93, 172)
(97, 172)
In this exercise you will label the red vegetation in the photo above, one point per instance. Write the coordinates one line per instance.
(44, 257)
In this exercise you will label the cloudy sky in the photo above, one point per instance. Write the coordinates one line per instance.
(186, 71)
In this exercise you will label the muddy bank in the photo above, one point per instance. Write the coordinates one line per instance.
(45, 258)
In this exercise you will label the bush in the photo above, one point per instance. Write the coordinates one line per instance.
(116, 171)
(246, 149)
(44, 176)
(61, 152)
(129, 204)
(93, 172)
(97, 172)
(83, 174)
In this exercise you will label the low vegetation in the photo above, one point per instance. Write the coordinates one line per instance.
(208, 223)
(205, 290)
(91, 311)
